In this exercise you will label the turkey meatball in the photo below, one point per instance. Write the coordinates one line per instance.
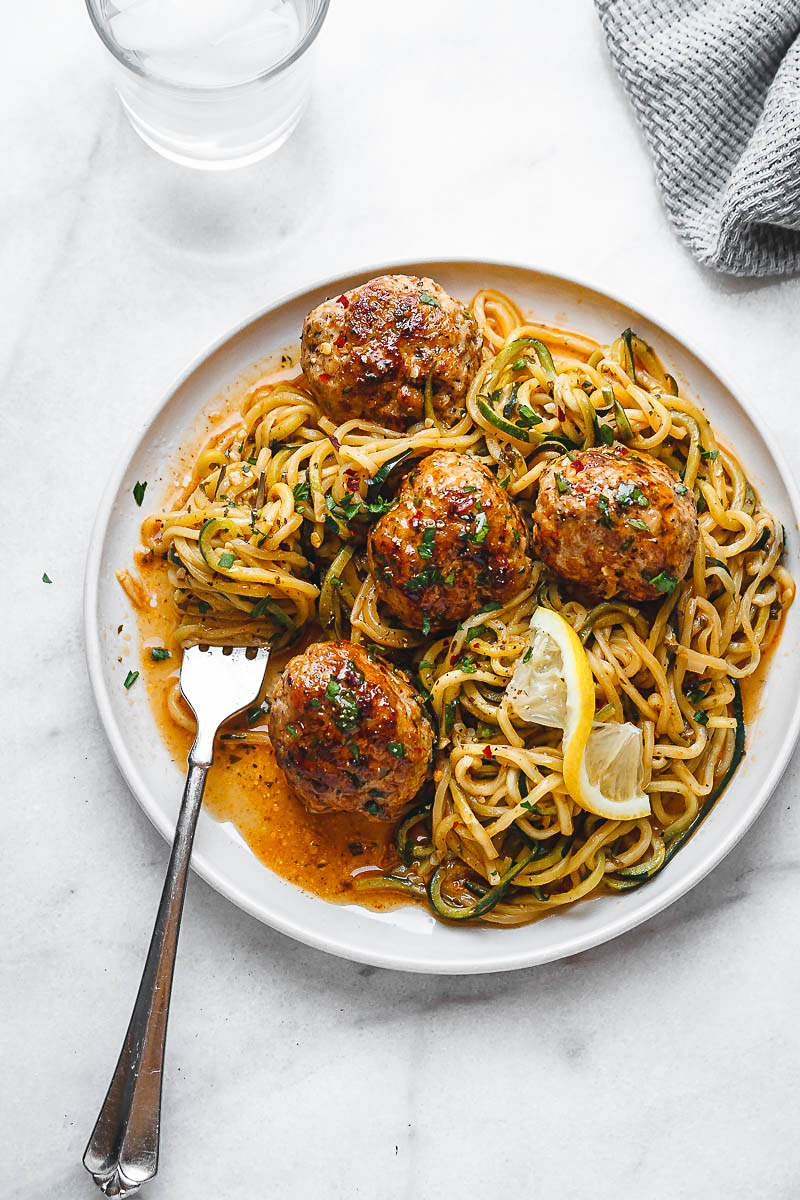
(369, 352)
(452, 542)
(616, 522)
(348, 732)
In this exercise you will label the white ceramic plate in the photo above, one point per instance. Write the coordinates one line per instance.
(409, 938)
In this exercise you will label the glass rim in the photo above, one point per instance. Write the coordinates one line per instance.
(119, 54)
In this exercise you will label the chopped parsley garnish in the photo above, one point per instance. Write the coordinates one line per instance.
(664, 582)
(130, 679)
(562, 484)
(426, 624)
(681, 489)
(481, 528)
(638, 523)
(492, 606)
(396, 749)
(159, 654)
(46, 578)
(314, 702)
(528, 654)
(527, 416)
(696, 695)
(290, 729)
(629, 493)
(301, 491)
(426, 298)
(467, 665)
(354, 752)
(701, 717)
(450, 710)
(425, 550)
(449, 578)
(138, 492)
(371, 806)
(343, 700)
(605, 513)
(227, 559)
(709, 455)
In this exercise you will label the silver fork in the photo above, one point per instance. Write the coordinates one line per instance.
(122, 1152)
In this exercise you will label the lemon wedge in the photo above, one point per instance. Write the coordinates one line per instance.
(552, 685)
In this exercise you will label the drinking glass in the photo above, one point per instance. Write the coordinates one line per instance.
(212, 84)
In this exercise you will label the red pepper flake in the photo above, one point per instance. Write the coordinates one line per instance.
(340, 340)
(334, 441)
(462, 505)
(413, 520)
(577, 465)
(351, 482)
(487, 752)
(324, 377)
(345, 303)
(561, 413)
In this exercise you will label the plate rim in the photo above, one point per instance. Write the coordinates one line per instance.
(575, 942)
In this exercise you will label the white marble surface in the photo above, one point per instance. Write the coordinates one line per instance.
(663, 1065)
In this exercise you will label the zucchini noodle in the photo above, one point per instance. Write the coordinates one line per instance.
(267, 546)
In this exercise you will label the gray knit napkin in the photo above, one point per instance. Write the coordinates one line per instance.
(715, 85)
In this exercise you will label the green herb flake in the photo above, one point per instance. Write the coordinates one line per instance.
(159, 654)
(562, 484)
(138, 492)
(696, 695)
(709, 455)
(638, 523)
(701, 717)
(664, 582)
(680, 489)
(254, 714)
(290, 729)
(481, 528)
(528, 654)
(227, 559)
(130, 679)
(333, 689)
(450, 710)
(46, 578)
(314, 702)
(605, 512)
(396, 749)
(431, 301)
(301, 491)
(527, 415)
(426, 624)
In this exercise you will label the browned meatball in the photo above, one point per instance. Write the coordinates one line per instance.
(452, 542)
(615, 521)
(369, 352)
(348, 732)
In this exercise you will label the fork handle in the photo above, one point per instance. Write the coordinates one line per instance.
(123, 1150)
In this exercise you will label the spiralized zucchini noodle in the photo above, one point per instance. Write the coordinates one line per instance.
(269, 543)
